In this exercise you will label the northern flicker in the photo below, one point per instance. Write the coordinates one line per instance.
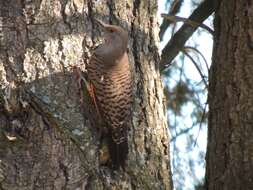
(110, 76)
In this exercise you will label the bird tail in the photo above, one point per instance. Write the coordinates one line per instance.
(118, 149)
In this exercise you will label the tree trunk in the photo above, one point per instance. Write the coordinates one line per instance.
(230, 142)
(46, 141)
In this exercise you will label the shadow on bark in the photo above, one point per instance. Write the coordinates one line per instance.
(45, 147)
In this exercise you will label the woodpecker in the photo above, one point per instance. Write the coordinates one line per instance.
(111, 81)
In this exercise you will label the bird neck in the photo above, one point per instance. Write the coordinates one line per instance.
(110, 52)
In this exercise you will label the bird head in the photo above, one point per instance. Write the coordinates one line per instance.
(114, 34)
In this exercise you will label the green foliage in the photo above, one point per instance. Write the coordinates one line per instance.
(200, 186)
(178, 96)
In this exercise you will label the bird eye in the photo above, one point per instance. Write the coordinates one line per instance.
(111, 31)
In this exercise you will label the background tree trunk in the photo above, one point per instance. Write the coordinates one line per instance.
(55, 146)
(230, 142)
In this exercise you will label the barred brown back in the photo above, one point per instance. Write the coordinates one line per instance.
(113, 83)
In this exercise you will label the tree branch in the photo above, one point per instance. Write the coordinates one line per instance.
(197, 67)
(174, 9)
(204, 10)
(198, 52)
(173, 18)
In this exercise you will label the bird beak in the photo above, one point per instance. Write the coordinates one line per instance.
(104, 26)
(101, 23)
(107, 29)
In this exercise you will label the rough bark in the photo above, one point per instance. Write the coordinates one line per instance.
(56, 146)
(230, 142)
